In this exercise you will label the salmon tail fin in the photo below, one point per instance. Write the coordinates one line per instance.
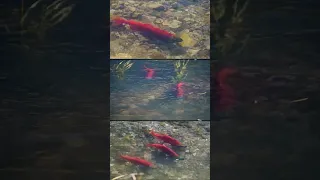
(120, 157)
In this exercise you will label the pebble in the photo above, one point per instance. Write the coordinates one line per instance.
(121, 6)
(148, 19)
(132, 9)
(166, 23)
(153, 5)
(160, 8)
(193, 52)
(175, 24)
(175, 6)
(187, 40)
(158, 21)
(136, 15)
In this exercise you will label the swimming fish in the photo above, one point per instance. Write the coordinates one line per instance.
(150, 72)
(225, 92)
(136, 160)
(148, 30)
(180, 90)
(164, 149)
(166, 138)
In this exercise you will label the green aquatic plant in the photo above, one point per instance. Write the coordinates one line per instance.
(228, 32)
(162, 123)
(199, 131)
(48, 16)
(128, 138)
(121, 68)
(180, 67)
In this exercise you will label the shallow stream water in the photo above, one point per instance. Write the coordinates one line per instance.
(137, 98)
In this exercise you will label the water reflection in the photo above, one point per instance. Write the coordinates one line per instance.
(225, 92)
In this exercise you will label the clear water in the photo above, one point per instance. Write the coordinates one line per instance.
(187, 19)
(138, 98)
(131, 137)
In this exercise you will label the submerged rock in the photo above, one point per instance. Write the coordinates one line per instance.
(154, 5)
(176, 6)
(175, 24)
(187, 40)
(132, 9)
(193, 52)
(158, 21)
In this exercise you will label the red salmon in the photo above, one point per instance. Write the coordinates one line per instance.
(166, 138)
(164, 148)
(149, 29)
(150, 72)
(136, 160)
(180, 90)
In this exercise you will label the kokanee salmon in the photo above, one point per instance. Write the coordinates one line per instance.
(165, 138)
(136, 160)
(164, 149)
(147, 29)
(150, 72)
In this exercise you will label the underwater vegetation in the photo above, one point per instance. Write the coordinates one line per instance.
(121, 68)
(229, 36)
(180, 67)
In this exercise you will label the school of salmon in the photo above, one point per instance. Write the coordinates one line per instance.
(165, 139)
